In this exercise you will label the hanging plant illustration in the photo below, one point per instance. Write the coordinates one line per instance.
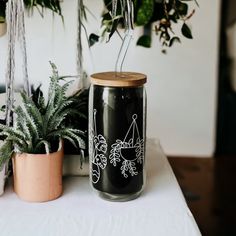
(130, 151)
(128, 166)
(98, 148)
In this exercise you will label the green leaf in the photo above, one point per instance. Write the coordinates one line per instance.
(10, 131)
(164, 51)
(115, 24)
(32, 130)
(174, 40)
(52, 5)
(32, 110)
(144, 41)
(3, 108)
(186, 31)
(59, 116)
(46, 144)
(182, 8)
(93, 38)
(6, 151)
(145, 12)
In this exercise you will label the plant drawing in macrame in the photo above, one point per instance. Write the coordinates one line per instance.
(98, 149)
(130, 151)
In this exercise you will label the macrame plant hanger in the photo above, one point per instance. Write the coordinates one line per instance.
(79, 58)
(82, 78)
(15, 33)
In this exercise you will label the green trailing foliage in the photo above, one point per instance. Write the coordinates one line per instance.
(39, 125)
(159, 15)
(93, 38)
(53, 5)
(144, 12)
(30, 5)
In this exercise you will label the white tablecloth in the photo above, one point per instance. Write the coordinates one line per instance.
(160, 211)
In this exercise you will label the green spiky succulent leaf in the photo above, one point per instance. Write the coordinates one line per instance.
(39, 126)
(5, 153)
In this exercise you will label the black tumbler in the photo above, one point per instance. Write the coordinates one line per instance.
(117, 134)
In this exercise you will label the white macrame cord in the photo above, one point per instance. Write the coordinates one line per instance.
(15, 33)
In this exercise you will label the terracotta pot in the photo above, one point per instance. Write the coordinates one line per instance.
(38, 177)
(3, 28)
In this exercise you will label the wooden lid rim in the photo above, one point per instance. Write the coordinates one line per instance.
(119, 79)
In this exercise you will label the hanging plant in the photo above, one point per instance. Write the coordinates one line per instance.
(30, 5)
(153, 15)
(41, 5)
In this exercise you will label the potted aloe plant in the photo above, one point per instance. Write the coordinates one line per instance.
(35, 143)
(75, 159)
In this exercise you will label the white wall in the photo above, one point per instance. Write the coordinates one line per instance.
(181, 85)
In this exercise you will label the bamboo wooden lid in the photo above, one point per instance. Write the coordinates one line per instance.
(119, 79)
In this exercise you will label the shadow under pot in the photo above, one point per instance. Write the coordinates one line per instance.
(38, 177)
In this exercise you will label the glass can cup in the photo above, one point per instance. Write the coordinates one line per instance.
(117, 134)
